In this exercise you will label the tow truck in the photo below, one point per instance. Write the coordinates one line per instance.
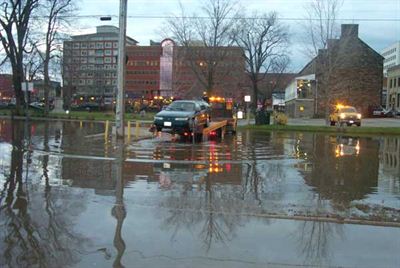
(218, 114)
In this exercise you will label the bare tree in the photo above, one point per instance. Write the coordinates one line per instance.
(15, 17)
(321, 24)
(57, 13)
(322, 33)
(205, 38)
(264, 40)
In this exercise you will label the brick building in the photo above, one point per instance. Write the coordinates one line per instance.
(348, 72)
(167, 70)
(6, 87)
(90, 63)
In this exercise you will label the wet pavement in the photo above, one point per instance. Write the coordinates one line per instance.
(258, 199)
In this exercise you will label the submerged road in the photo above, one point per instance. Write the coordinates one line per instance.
(252, 200)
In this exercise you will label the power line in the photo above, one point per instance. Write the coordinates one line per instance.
(233, 18)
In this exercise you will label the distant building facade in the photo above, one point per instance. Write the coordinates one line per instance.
(391, 55)
(90, 63)
(348, 72)
(167, 70)
(6, 87)
(393, 88)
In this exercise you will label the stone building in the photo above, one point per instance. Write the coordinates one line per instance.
(348, 72)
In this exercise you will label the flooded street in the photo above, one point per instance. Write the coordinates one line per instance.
(258, 199)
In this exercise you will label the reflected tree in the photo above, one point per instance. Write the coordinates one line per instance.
(35, 228)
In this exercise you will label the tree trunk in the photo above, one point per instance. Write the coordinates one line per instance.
(46, 85)
(19, 94)
(255, 95)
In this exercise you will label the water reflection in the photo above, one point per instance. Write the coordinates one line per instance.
(212, 190)
(36, 220)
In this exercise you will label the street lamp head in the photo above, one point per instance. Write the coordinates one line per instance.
(106, 18)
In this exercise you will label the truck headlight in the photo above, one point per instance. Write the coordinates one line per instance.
(359, 116)
(158, 118)
(342, 116)
(181, 119)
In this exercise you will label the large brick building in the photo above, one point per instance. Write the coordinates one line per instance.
(167, 70)
(348, 72)
(6, 87)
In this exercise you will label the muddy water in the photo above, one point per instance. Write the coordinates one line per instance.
(253, 200)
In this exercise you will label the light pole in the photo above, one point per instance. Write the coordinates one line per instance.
(120, 109)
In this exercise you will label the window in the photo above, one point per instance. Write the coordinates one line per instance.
(107, 60)
(99, 52)
(390, 83)
(107, 52)
(115, 52)
(75, 53)
(115, 44)
(99, 60)
(76, 46)
(92, 60)
(90, 74)
(83, 67)
(83, 60)
(92, 45)
(81, 82)
(89, 82)
(91, 52)
(99, 45)
(83, 52)
(394, 82)
(83, 45)
(398, 100)
(108, 44)
(398, 82)
(91, 67)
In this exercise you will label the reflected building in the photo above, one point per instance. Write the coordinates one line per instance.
(390, 163)
(340, 169)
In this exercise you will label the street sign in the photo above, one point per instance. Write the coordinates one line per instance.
(27, 86)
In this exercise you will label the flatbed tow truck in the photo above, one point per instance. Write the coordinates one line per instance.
(222, 120)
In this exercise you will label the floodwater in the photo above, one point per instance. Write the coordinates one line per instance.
(259, 199)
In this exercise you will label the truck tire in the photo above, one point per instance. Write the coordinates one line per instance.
(333, 123)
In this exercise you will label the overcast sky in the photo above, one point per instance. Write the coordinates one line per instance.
(379, 20)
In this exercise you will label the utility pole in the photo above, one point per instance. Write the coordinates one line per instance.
(120, 110)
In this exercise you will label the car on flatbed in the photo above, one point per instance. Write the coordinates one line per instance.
(345, 115)
(183, 117)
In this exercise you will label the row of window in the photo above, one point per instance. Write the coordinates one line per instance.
(84, 45)
(141, 82)
(390, 65)
(97, 60)
(143, 72)
(394, 82)
(92, 52)
(143, 63)
(143, 54)
(393, 50)
(390, 58)
(90, 67)
(90, 82)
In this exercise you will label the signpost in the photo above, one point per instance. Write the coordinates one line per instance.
(247, 100)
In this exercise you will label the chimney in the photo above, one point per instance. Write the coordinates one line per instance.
(349, 30)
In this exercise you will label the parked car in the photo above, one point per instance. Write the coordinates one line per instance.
(183, 116)
(345, 115)
(378, 112)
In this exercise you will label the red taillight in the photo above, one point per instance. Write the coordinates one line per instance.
(185, 134)
(213, 133)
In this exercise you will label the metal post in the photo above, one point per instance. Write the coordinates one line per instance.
(248, 113)
(120, 111)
